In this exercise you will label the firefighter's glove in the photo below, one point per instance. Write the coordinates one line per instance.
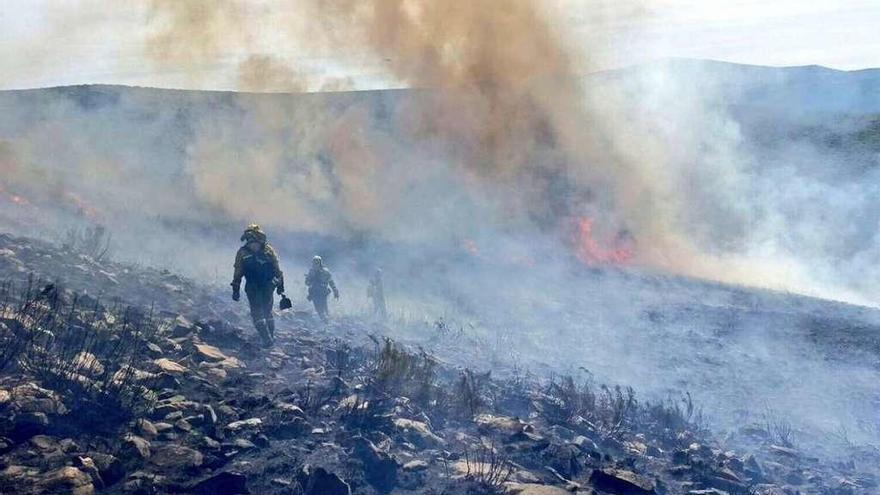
(236, 293)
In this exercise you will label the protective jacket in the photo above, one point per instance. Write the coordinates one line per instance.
(260, 269)
(320, 282)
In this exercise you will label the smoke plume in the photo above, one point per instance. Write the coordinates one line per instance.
(505, 117)
(503, 111)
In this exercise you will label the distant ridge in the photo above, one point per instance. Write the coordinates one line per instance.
(676, 64)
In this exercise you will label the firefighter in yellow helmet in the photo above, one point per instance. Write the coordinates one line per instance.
(319, 282)
(257, 263)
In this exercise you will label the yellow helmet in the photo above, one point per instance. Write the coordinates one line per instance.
(253, 232)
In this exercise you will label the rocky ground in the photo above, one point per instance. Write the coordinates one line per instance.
(122, 379)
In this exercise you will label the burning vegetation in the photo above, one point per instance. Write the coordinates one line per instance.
(590, 250)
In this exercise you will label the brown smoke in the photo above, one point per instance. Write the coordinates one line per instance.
(505, 96)
(503, 105)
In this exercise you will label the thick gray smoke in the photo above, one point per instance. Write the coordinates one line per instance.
(773, 171)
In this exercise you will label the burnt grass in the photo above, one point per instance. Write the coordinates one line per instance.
(123, 379)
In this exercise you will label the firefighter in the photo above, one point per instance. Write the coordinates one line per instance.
(320, 283)
(257, 262)
(376, 294)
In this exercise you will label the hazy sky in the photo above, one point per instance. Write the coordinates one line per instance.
(55, 42)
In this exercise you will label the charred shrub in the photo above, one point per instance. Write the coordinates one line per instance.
(469, 393)
(14, 321)
(399, 372)
(615, 409)
(93, 241)
(563, 400)
(486, 469)
(89, 356)
(365, 415)
(778, 429)
(672, 416)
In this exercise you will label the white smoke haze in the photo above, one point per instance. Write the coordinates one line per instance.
(468, 188)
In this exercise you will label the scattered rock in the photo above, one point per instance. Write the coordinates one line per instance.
(169, 366)
(210, 352)
(154, 350)
(136, 446)
(88, 363)
(69, 480)
(245, 424)
(109, 467)
(534, 489)
(32, 398)
(621, 482)
(147, 429)
(499, 424)
(181, 327)
(88, 466)
(177, 456)
(415, 466)
(418, 432)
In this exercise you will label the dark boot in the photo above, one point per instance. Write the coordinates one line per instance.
(321, 308)
(270, 325)
(263, 332)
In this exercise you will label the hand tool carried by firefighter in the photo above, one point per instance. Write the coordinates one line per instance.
(284, 303)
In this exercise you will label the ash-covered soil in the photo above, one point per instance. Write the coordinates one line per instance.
(123, 379)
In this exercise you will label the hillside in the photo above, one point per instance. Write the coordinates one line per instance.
(514, 294)
(158, 386)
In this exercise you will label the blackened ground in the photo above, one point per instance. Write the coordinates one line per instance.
(121, 379)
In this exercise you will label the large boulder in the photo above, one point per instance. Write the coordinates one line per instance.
(68, 480)
(32, 398)
(621, 482)
(318, 481)
(27, 425)
(223, 483)
(380, 469)
(109, 467)
(177, 456)
(135, 447)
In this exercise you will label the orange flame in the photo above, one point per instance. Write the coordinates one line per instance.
(588, 250)
(13, 198)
